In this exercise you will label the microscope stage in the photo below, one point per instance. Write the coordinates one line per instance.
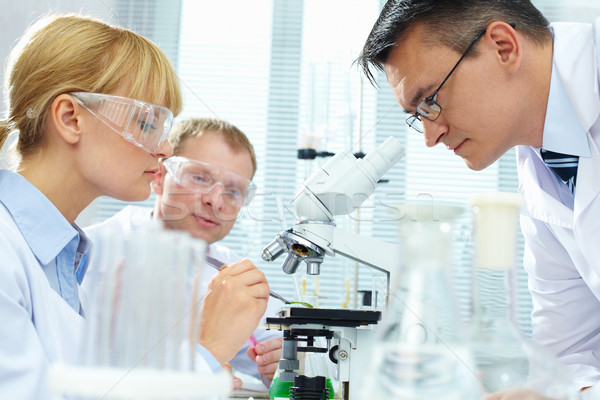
(325, 316)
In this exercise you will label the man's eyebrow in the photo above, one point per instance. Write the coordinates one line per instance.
(416, 99)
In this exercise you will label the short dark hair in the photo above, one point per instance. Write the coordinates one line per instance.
(453, 23)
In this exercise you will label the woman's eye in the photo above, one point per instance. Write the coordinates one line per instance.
(144, 126)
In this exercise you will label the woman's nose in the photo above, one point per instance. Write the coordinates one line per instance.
(164, 151)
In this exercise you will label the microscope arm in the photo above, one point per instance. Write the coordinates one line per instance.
(366, 250)
(372, 252)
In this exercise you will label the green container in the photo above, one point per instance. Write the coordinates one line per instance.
(329, 385)
(281, 390)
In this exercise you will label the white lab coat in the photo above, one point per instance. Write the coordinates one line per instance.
(562, 255)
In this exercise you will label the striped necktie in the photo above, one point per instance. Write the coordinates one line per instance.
(564, 165)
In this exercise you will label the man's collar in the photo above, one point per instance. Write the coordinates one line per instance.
(563, 132)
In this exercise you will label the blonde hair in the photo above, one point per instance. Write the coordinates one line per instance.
(196, 127)
(64, 53)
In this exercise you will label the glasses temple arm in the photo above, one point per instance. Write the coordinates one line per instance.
(479, 35)
(458, 62)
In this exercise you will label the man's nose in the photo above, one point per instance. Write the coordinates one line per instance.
(433, 131)
(214, 196)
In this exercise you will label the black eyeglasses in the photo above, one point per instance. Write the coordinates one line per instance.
(428, 108)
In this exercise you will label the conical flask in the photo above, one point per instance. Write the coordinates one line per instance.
(315, 365)
(504, 357)
(288, 368)
(279, 390)
(421, 353)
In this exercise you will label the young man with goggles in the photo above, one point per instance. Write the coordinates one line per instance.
(200, 177)
(201, 189)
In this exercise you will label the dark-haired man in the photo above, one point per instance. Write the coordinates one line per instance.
(483, 76)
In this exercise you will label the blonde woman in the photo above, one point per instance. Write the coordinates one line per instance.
(93, 104)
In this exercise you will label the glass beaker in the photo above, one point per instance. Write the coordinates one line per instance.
(142, 322)
(504, 357)
(421, 353)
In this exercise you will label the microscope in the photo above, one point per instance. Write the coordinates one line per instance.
(337, 188)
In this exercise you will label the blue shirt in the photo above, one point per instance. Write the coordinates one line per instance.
(41, 257)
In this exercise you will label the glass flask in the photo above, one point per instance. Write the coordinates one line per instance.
(504, 357)
(315, 365)
(288, 368)
(421, 353)
(279, 390)
(310, 388)
(309, 365)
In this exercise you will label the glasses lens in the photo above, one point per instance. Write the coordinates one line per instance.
(415, 122)
(202, 178)
(429, 109)
(250, 193)
(147, 125)
(197, 177)
(143, 124)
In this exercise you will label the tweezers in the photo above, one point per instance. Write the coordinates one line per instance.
(213, 262)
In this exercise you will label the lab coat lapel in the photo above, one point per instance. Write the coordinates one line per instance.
(577, 229)
(575, 61)
(588, 185)
(587, 217)
(586, 213)
(579, 72)
(577, 67)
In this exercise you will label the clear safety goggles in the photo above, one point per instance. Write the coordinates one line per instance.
(201, 177)
(143, 124)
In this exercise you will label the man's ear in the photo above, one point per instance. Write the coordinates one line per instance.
(507, 44)
(65, 116)
(159, 178)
